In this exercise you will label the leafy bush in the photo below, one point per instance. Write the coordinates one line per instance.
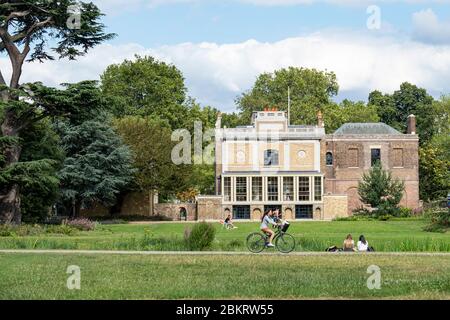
(201, 236)
(63, 229)
(81, 224)
(35, 230)
(440, 220)
(403, 212)
(20, 231)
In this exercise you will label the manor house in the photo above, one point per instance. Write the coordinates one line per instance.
(303, 171)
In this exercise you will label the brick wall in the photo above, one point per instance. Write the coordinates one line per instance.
(343, 177)
(335, 206)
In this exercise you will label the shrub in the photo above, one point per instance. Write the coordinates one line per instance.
(82, 224)
(440, 220)
(361, 212)
(63, 229)
(5, 230)
(201, 236)
(20, 231)
(403, 212)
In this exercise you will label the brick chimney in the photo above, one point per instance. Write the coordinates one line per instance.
(321, 124)
(411, 124)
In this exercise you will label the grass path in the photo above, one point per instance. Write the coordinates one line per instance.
(221, 253)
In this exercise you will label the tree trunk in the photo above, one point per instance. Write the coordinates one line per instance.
(151, 203)
(10, 201)
(116, 209)
(10, 207)
(77, 208)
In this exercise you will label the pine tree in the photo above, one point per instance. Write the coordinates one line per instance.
(97, 167)
(380, 190)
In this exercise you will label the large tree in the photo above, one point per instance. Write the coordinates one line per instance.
(39, 30)
(311, 90)
(150, 141)
(395, 108)
(97, 164)
(335, 115)
(146, 87)
(435, 156)
(41, 191)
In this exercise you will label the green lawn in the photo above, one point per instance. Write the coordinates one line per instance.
(406, 235)
(44, 276)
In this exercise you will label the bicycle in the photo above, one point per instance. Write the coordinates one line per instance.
(284, 242)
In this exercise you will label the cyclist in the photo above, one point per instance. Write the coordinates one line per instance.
(266, 221)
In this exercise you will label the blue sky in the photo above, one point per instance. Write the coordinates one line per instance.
(231, 21)
(222, 46)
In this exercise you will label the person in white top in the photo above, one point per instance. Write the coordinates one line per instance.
(363, 245)
(266, 221)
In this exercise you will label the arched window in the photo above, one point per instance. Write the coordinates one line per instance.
(271, 158)
(329, 159)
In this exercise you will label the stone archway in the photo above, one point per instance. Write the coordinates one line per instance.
(318, 214)
(256, 214)
(353, 200)
(288, 214)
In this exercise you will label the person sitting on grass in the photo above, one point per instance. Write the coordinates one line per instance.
(266, 221)
(363, 245)
(228, 223)
(349, 244)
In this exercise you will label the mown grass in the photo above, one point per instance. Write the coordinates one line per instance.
(223, 277)
(388, 236)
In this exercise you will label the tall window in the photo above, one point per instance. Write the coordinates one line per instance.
(241, 189)
(317, 188)
(303, 188)
(375, 156)
(227, 188)
(271, 158)
(272, 188)
(329, 159)
(257, 189)
(352, 158)
(288, 188)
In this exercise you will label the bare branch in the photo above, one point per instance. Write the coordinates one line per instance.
(15, 15)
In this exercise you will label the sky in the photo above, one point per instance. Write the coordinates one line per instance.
(222, 46)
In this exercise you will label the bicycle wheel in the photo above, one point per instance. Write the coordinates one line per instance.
(285, 243)
(256, 242)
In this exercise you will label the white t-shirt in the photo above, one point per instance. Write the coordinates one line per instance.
(363, 246)
(266, 222)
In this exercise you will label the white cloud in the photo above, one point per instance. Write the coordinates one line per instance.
(428, 27)
(216, 74)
